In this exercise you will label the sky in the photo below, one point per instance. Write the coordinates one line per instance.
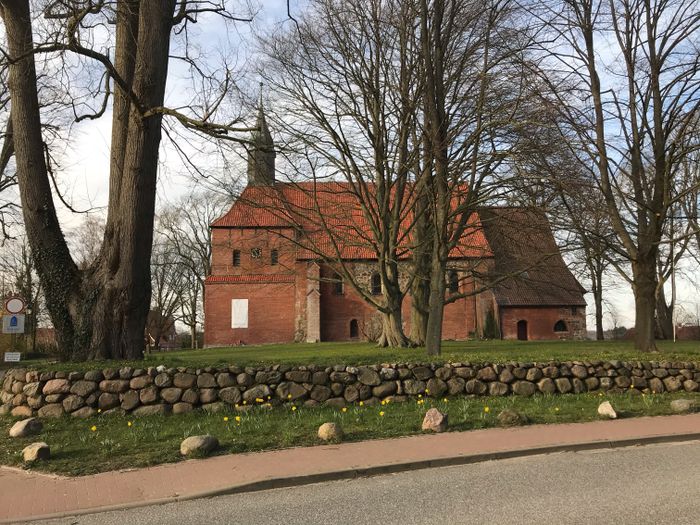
(85, 161)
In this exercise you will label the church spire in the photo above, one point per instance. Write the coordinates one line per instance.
(261, 155)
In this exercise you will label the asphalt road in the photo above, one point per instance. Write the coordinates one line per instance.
(655, 484)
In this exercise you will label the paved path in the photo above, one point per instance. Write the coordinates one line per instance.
(649, 485)
(32, 495)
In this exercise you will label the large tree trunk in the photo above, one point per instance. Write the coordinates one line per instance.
(644, 288)
(420, 287)
(664, 316)
(99, 313)
(392, 318)
(392, 330)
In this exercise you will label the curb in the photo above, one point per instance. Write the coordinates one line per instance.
(309, 479)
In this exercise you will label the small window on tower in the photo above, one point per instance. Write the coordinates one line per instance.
(256, 253)
(236, 257)
(376, 285)
(453, 281)
(337, 284)
(274, 257)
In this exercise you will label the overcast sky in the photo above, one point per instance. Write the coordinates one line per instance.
(86, 159)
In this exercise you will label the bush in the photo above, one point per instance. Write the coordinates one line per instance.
(490, 330)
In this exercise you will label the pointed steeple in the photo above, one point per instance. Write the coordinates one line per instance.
(261, 155)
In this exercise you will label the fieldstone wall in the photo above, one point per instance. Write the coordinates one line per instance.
(161, 390)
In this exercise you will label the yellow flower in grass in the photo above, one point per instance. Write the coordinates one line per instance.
(259, 400)
(362, 403)
(445, 400)
(294, 407)
(128, 424)
(383, 403)
(556, 409)
(245, 402)
(486, 409)
(427, 391)
(419, 396)
(238, 419)
(99, 410)
(289, 396)
(381, 414)
(344, 409)
(93, 428)
(225, 418)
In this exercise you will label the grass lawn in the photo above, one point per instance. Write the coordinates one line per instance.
(368, 353)
(114, 443)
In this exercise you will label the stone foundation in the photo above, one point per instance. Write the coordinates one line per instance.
(163, 390)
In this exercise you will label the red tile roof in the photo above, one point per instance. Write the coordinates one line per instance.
(529, 269)
(250, 279)
(332, 218)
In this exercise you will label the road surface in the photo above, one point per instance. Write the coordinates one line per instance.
(653, 484)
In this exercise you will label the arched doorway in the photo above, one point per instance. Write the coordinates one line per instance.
(522, 330)
(354, 329)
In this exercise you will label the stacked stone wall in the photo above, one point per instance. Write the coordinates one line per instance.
(161, 390)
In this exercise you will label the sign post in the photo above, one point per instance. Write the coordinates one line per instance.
(13, 323)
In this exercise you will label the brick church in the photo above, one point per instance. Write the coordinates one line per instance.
(269, 282)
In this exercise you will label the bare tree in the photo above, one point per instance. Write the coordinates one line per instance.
(100, 312)
(169, 279)
(185, 226)
(473, 100)
(640, 90)
(349, 87)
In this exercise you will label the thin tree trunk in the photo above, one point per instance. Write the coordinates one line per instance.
(433, 339)
(598, 300)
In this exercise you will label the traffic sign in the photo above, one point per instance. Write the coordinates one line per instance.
(14, 305)
(13, 324)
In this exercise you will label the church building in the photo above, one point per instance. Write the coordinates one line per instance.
(272, 278)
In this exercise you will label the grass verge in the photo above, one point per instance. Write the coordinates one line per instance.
(327, 354)
(103, 443)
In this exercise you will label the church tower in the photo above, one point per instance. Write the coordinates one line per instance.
(261, 154)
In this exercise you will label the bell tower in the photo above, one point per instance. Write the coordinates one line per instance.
(261, 154)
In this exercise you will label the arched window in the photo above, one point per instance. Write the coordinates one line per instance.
(236, 257)
(560, 326)
(354, 329)
(337, 284)
(376, 287)
(453, 281)
(274, 257)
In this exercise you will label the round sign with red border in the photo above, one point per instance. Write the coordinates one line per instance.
(14, 305)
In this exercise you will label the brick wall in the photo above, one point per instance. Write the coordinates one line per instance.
(541, 321)
(270, 313)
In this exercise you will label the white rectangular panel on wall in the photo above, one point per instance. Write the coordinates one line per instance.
(239, 313)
